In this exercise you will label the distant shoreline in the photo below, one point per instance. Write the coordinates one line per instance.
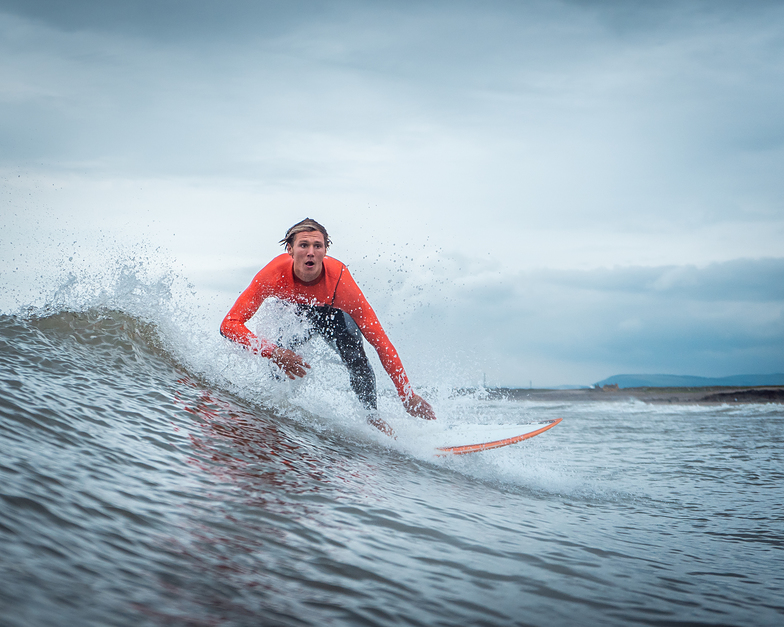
(714, 395)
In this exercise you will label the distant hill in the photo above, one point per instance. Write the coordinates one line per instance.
(684, 381)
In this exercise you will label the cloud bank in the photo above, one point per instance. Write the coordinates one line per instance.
(594, 186)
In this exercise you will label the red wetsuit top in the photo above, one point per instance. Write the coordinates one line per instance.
(334, 287)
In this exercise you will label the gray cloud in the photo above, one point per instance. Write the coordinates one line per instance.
(167, 20)
(143, 78)
(567, 136)
(739, 280)
(723, 319)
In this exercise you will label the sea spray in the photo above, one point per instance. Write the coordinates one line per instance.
(148, 286)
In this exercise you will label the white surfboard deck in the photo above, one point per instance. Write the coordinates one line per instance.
(462, 439)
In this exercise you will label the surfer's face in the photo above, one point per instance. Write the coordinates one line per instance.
(308, 252)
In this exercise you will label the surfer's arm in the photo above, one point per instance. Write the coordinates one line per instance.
(350, 299)
(233, 326)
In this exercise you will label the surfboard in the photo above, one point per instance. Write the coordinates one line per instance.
(474, 438)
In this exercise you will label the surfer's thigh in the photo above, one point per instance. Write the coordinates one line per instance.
(349, 343)
(348, 339)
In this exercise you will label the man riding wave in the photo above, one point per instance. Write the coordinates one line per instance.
(325, 293)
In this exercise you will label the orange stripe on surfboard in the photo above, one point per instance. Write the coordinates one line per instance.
(486, 446)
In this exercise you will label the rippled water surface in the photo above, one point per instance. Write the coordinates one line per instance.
(137, 489)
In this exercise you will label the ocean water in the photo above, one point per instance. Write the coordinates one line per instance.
(153, 474)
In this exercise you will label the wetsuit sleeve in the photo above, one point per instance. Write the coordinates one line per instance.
(350, 299)
(233, 325)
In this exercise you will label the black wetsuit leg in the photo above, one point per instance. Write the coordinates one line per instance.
(335, 325)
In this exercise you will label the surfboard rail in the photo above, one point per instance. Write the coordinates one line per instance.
(486, 446)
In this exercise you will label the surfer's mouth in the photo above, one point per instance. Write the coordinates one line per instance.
(310, 263)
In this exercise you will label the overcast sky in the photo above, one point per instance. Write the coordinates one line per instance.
(547, 192)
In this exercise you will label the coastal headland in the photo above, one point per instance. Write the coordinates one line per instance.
(715, 395)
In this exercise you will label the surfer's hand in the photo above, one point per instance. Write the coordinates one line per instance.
(288, 361)
(419, 407)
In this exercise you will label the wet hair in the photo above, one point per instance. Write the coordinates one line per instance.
(300, 227)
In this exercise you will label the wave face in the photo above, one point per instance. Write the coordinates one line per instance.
(142, 485)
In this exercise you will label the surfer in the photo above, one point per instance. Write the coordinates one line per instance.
(326, 295)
